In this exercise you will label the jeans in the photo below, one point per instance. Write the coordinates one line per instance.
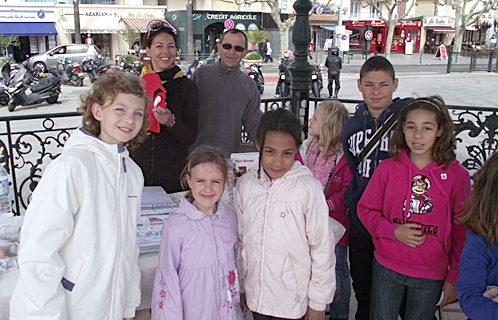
(389, 288)
(339, 308)
(360, 261)
(258, 316)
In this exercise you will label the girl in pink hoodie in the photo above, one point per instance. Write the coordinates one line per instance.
(410, 207)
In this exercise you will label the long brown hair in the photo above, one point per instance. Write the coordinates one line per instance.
(443, 151)
(482, 216)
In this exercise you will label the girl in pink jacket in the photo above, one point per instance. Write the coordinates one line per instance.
(410, 207)
(197, 276)
(324, 157)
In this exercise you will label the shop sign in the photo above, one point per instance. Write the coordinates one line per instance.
(230, 16)
(97, 14)
(26, 16)
(437, 21)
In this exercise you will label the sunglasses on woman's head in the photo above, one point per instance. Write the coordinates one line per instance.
(160, 26)
(228, 46)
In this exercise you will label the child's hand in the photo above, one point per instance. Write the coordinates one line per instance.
(163, 116)
(449, 294)
(410, 234)
(314, 315)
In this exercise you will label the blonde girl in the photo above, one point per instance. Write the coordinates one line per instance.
(324, 157)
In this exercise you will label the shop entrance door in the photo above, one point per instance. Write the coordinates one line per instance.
(211, 33)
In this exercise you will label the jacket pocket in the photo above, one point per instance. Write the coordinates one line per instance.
(72, 273)
(288, 276)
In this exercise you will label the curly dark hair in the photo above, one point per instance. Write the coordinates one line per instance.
(279, 120)
(103, 92)
(443, 151)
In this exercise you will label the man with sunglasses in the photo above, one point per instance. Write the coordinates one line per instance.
(228, 98)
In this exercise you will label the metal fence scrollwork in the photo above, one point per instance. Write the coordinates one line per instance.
(475, 129)
(28, 143)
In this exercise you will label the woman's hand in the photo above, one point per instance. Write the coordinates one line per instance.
(164, 116)
(314, 315)
(410, 234)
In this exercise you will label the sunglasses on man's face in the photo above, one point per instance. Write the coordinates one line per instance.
(159, 26)
(228, 46)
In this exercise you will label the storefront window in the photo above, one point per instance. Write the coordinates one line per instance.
(284, 4)
(354, 38)
(355, 9)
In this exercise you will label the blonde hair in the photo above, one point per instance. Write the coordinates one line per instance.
(104, 91)
(334, 116)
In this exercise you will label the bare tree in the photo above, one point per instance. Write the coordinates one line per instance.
(282, 25)
(467, 12)
(190, 29)
(390, 20)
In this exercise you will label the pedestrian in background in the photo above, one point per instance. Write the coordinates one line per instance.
(268, 51)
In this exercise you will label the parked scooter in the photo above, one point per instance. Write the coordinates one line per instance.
(4, 84)
(41, 89)
(129, 67)
(254, 71)
(70, 73)
(316, 83)
(193, 66)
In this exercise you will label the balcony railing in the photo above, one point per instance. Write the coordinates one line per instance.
(28, 143)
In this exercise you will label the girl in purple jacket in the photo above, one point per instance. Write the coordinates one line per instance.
(411, 207)
(197, 276)
(324, 157)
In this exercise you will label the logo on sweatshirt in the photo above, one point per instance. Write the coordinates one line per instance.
(419, 200)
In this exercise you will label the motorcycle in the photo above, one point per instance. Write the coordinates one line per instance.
(284, 85)
(316, 83)
(70, 73)
(41, 89)
(129, 67)
(193, 66)
(4, 84)
(254, 71)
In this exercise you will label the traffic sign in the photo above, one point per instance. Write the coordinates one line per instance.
(229, 24)
(369, 35)
(344, 37)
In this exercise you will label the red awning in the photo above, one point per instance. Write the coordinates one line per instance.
(440, 29)
(142, 24)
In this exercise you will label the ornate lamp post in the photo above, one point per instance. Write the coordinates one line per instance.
(300, 68)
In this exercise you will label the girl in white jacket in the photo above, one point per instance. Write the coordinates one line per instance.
(78, 254)
(288, 261)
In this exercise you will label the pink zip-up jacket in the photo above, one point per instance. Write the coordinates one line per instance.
(399, 193)
(197, 275)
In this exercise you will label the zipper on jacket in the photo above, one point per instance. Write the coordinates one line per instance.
(217, 297)
(263, 248)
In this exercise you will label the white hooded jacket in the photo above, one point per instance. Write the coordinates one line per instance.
(287, 244)
(78, 252)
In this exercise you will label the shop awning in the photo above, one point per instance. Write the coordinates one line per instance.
(27, 29)
(331, 28)
(441, 29)
(142, 23)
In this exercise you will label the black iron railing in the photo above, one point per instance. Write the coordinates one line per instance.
(468, 61)
(28, 143)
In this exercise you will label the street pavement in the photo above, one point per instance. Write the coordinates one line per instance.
(415, 80)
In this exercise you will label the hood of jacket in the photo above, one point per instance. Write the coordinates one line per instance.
(84, 140)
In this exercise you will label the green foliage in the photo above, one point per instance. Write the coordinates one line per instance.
(6, 41)
(4, 60)
(127, 57)
(256, 36)
(253, 56)
(130, 35)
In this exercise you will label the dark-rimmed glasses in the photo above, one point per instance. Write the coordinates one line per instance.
(160, 25)
(228, 46)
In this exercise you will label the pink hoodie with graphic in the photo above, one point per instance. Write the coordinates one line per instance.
(434, 199)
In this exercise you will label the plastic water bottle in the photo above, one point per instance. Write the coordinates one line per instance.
(5, 206)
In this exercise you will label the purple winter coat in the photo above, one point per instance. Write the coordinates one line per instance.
(197, 275)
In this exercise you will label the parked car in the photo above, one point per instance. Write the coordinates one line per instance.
(75, 52)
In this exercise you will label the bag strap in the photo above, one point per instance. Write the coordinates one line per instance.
(380, 133)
